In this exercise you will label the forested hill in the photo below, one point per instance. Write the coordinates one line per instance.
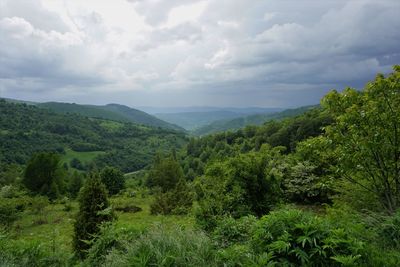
(284, 133)
(256, 119)
(26, 129)
(111, 112)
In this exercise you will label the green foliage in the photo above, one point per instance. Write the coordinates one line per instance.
(176, 201)
(38, 204)
(243, 185)
(241, 122)
(173, 195)
(113, 179)
(29, 253)
(165, 173)
(10, 174)
(107, 239)
(8, 212)
(43, 175)
(366, 134)
(165, 247)
(230, 231)
(389, 231)
(93, 211)
(299, 238)
(75, 183)
(27, 129)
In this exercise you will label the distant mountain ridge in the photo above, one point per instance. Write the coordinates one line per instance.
(191, 120)
(111, 112)
(240, 110)
(256, 119)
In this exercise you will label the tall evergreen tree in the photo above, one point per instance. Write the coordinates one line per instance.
(93, 211)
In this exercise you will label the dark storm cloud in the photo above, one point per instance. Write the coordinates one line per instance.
(211, 52)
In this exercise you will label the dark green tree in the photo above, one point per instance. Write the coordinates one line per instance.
(75, 184)
(113, 179)
(173, 195)
(165, 173)
(93, 211)
(43, 174)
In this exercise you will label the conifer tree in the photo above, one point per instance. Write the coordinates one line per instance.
(93, 211)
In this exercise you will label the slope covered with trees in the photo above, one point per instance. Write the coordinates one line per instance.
(110, 112)
(243, 121)
(26, 129)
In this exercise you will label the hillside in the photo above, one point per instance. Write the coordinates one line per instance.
(26, 129)
(110, 112)
(255, 119)
(193, 120)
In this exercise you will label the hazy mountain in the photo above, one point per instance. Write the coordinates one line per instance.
(245, 110)
(191, 120)
(256, 119)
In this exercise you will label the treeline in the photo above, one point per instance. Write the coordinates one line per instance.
(26, 129)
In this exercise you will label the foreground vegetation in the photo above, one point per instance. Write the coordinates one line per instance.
(320, 189)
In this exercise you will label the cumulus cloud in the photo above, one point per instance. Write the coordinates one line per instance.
(193, 52)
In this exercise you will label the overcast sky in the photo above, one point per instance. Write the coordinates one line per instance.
(270, 53)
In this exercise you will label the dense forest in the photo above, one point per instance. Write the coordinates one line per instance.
(26, 129)
(243, 121)
(318, 189)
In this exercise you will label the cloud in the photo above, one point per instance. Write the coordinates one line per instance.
(194, 52)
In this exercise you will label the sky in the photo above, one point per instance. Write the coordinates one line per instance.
(267, 53)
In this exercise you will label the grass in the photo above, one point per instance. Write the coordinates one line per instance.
(84, 157)
(54, 226)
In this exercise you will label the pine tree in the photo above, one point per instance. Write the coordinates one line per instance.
(93, 211)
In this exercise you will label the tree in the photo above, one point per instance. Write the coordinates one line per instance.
(366, 134)
(93, 211)
(165, 173)
(113, 179)
(173, 195)
(43, 174)
(75, 184)
(242, 185)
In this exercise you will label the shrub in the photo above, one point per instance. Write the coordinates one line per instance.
(38, 204)
(177, 201)
(230, 231)
(390, 231)
(8, 212)
(113, 179)
(297, 238)
(93, 211)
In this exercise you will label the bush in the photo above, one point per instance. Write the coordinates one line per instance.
(93, 211)
(38, 204)
(177, 201)
(113, 179)
(8, 212)
(390, 231)
(297, 238)
(230, 231)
